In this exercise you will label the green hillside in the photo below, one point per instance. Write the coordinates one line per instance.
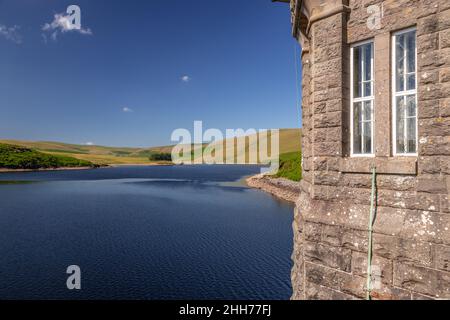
(289, 141)
(290, 166)
(101, 155)
(17, 157)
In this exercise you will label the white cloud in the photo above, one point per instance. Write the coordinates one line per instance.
(185, 78)
(126, 109)
(11, 33)
(61, 24)
(89, 143)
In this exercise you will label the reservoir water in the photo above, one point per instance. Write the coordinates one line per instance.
(169, 232)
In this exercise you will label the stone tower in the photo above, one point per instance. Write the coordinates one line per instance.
(375, 94)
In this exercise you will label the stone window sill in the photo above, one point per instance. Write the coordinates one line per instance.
(385, 165)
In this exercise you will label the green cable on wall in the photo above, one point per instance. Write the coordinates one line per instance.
(369, 249)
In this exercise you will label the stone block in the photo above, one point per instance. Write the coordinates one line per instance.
(395, 248)
(444, 5)
(396, 182)
(445, 203)
(328, 94)
(327, 120)
(312, 232)
(319, 107)
(382, 267)
(444, 107)
(408, 200)
(318, 292)
(432, 184)
(441, 257)
(333, 163)
(389, 220)
(356, 180)
(429, 165)
(356, 240)
(427, 226)
(334, 105)
(327, 149)
(387, 292)
(429, 108)
(428, 25)
(352, 284)
(422, 280)
(320, 163)
(428, 148)
(338, 258)
(427, 42)
(320, 275)
(434, 91)
(320, 84)
(444, 75)
(430, 76)
(329, 178)
(435, 127)
(332, 235)
(444, 37)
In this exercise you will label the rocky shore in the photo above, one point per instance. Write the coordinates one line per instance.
(280, 187)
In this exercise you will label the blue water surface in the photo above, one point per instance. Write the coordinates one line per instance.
(161, 232)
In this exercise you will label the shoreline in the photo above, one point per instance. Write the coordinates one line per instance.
(116, 165)
(7, 170)
(279, 187)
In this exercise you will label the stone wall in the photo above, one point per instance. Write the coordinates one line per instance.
(411, 240)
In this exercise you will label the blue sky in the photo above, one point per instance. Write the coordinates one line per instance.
(140, 69)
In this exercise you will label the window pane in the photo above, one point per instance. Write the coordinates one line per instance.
(367, 87)
(367, 110)
(411, 51)
(400, 125)
(357, 127)
(411, 136)
(367, 137)
(357, 72)
(399, 62)
(411, 109)
(367, 61)
(411, 81)
(367, 127)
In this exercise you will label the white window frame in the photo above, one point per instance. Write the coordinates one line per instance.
(403, 93)
(362, 99)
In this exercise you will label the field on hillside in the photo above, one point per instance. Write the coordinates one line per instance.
(245, 151)
(101, 155)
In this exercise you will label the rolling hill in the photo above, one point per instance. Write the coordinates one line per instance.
(102, 155)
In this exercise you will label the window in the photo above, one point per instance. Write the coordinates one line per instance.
(362, 99)
(404, 84)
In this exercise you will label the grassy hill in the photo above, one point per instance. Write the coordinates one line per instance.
(290, 166)
(289, 141)
(101, 155)
(17, 157)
